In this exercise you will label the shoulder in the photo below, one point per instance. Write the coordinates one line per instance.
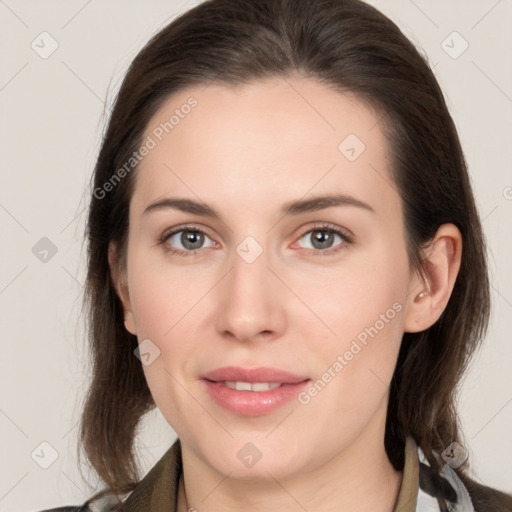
(461, 492)
(486, 498)
(105, 503)
(161, 480)
(79, 508)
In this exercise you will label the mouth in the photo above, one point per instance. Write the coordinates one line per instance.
(252, 392)
(250, 386)
(251, 376)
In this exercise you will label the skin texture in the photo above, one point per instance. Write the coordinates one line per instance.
(246, 151)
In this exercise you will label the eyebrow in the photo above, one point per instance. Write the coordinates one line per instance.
(295, 207)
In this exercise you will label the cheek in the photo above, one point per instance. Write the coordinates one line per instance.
(163, 306)
(369, 291)
(162, 301)
(355, 367)
(363, 308)
(161, 294)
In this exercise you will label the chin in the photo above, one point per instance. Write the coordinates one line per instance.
(248, 460)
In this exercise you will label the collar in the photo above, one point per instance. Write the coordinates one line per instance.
(408, 494)
(158, 490)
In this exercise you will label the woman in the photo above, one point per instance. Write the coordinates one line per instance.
(286, 259)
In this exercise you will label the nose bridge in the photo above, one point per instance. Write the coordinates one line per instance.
(249, 280)
(250, 301)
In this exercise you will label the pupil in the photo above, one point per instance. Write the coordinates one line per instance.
(191, 237)
(323, 239)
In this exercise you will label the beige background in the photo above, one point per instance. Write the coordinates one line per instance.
(52, 116)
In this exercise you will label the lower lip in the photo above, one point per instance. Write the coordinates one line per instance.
(253, 403)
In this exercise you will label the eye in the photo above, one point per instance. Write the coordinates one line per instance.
(323, 237)
(189, 238)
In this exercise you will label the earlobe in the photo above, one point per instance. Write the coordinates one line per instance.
(121, 287)
(430, 291)
(129, 322)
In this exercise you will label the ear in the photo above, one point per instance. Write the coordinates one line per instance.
(429, 294)
(118, 273)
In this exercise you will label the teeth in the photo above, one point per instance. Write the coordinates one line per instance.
(255, 386)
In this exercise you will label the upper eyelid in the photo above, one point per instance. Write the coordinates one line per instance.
(188, 227)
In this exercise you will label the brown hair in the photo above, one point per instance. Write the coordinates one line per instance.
(347, 45)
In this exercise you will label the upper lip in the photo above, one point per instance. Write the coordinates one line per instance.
(262, 374)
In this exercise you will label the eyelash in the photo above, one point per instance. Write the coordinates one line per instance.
(347, 240)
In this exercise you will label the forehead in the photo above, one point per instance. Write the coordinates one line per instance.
(271, 139)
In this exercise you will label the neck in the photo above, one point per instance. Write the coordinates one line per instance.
(361, 478)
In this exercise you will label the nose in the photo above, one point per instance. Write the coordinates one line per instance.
(252, 302)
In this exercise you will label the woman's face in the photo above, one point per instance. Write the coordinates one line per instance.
(265, 284)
